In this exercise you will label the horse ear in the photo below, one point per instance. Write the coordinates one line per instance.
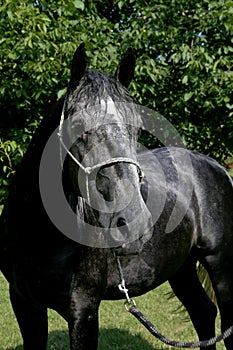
(79, 65)
(125, 70)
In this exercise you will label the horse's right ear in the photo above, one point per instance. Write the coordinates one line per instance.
(125, 69)
(79, 65)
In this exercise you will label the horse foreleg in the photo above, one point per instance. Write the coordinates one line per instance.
(82, 317)
(32, 321)
(190, 292)
(83, 331)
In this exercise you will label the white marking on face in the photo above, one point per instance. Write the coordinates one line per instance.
(109, 107)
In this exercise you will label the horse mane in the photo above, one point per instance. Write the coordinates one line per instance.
(95, 87)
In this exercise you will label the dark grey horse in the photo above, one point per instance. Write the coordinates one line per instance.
(185, 198)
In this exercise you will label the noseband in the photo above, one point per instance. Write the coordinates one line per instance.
(89, 169)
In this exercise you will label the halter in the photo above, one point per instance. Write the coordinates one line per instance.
(89, 169)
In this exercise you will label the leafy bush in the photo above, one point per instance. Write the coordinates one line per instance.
(184, 65)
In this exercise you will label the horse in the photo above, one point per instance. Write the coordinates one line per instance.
(158, 212)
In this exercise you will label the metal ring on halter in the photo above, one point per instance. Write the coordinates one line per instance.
(129, 304)
(90, 169)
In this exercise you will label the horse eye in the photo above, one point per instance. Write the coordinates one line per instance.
(85, 135)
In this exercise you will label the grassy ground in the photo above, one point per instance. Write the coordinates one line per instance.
(118, 329)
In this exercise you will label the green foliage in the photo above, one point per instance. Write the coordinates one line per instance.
(184, 64)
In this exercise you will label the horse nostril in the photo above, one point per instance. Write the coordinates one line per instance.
(121, 222)
(123, 233)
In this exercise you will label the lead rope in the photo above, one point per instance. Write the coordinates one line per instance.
(131, 307)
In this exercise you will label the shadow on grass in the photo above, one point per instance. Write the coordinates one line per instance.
(118, 339)
(109, 339)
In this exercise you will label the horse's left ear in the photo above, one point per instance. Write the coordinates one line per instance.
(79, 65)
(125, 70)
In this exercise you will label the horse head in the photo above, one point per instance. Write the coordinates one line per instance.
(102, 127)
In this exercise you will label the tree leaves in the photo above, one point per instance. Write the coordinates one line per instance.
(79, 4)
(184, 63)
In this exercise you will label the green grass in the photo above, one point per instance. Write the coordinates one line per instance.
(119, 330)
